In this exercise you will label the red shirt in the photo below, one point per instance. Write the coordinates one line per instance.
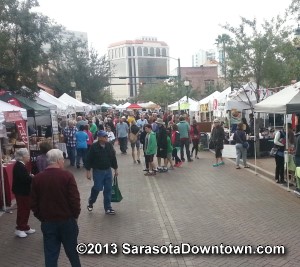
(55, 196)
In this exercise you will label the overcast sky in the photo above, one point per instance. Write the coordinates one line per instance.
(186, 26)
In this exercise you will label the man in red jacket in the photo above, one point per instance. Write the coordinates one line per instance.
(56, 203)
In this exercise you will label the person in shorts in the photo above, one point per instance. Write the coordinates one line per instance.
(150, 148)
(135, 130)
(162, 146)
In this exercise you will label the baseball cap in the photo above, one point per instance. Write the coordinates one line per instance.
(216, 121)
(101, 133)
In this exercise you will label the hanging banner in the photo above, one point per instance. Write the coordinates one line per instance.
(12, 116)
(78, 95)
(21, 126)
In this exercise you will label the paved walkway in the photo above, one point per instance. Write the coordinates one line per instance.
(195, 204)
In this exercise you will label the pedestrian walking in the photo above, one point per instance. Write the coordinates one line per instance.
(101, 158)
(184, 131)
(56, 203)
(150, 149)
(122, 134)
(162, 146)
(81, 145)
(21, 188)
(70, 140)
(217, 137)
(134, 138)
(195, 136)
(241, 152)
(175, 138)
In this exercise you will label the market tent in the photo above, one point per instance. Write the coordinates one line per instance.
(283, 102)
(124, 106)
(62, 108)
(78, 105)
(36, 113)
(105, 105)
(206, 104)
(294, 105)
(149, 105)
(245, 97)
(134, 106)
(184, 104)
(219, 103)
(8, 107)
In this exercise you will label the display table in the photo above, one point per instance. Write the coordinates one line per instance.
(63, 148)
(8, 180)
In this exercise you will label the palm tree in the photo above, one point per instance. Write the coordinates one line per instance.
(223, 40)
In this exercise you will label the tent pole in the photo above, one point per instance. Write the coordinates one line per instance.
(2, 179)
(254, 143)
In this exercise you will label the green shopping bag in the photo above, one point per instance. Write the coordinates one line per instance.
(116, 195)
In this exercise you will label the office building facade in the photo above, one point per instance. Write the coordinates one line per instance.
(134, 63)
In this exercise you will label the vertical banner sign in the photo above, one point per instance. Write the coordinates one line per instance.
(16, 116)
(78, 95)
(21, 126)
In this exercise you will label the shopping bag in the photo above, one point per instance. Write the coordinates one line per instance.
(273, 151)
(116, 195)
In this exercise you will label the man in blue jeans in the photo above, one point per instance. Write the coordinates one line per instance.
(101, 158)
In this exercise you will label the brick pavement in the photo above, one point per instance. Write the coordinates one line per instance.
(197, 204)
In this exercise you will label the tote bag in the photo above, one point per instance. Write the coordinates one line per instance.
(116, 195)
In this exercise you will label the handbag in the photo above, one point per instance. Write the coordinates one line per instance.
(132, 138)
(244, 144)
(273, 151)
(116, 195)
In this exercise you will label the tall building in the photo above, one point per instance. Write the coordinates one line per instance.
(133, 62)
(202, 56)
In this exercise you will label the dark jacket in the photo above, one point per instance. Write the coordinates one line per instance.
(21, 180)
(101, 158)
(218, 136)
(239, 137)
(55, 196)
(162, 138)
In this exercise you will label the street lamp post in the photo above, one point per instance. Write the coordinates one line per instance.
(187, 85)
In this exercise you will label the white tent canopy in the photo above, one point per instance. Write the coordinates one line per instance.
(277, 102)
(207, 99)
(62, 107)
(191, 104)
(8, 107)
(71, 101)
(245, 97)
(105, 105)
(124, 106)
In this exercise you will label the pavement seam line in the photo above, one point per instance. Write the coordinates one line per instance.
(163, 228)
(171, 221)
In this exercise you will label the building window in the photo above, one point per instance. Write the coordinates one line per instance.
(157, 52)
(139, 51)
(164, 52)
(152, 52)
(129, 51)
(146, 53)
